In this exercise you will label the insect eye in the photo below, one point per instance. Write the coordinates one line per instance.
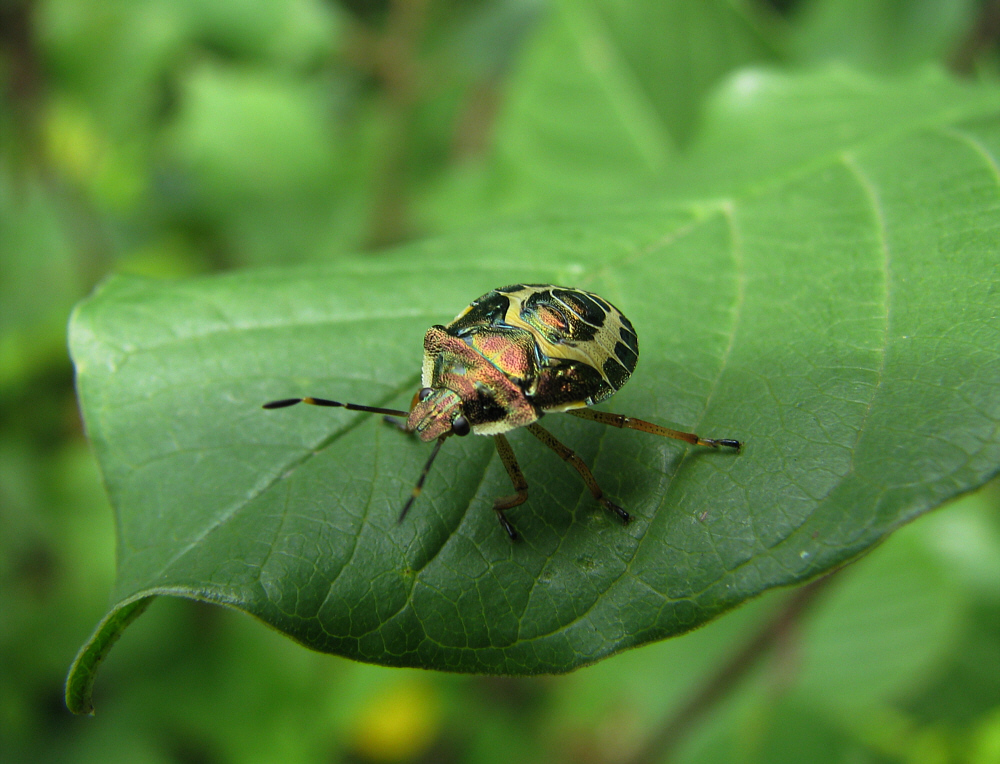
(460, 426)
(424, 392)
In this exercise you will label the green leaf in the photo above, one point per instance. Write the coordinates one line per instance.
(836, 311)
(607, 90)
(252, 137)
(882, 35)
(884, 630)
(762, 127)
(258, 157)
(33, 250)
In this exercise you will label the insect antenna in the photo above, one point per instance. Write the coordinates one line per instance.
(420, 481)
(285, 402)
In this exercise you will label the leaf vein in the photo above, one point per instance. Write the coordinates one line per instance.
(279, 474)
(976, 145)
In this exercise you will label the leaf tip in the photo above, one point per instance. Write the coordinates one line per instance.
(80, 680)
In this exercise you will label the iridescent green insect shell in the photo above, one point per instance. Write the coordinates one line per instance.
(510, 357)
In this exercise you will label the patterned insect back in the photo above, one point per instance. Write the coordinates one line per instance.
(566, 348)
(514, 354)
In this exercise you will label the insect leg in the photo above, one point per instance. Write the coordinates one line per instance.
(567, 455)
(399, 424)
(420, 481)
(285, 402)
(516, 477)
(619, 420)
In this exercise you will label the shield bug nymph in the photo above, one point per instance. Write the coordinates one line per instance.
(510, 357)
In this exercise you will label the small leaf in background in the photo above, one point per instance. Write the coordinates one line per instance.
(32, 322)
(607, 91)
(880, 35)
(248, 137)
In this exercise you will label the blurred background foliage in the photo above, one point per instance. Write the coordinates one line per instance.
(174, 137)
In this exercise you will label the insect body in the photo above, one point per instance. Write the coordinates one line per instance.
(512, 356)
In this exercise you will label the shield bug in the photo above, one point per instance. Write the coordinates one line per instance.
(512, 356)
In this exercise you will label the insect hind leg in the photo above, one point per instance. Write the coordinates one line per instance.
(631, 423)
(570, 456)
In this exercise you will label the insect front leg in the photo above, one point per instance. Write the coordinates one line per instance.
(423, 476)
(398, 423)
(516, 477)
(631, 423)
(568, 455)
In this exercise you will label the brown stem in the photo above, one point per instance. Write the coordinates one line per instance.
(474, 127)
(24, 92)
(665, 741)
(398, 68)
(984, 33)
(22, 86)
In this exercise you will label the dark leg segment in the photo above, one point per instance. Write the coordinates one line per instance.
(399, 424)
(516, 477)
(618, 420)
(568, 455)
(420, 481)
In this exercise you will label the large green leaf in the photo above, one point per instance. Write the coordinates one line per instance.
(836, 310)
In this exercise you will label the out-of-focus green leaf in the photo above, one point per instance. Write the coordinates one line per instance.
(762, 127)
(112, 55)
(617, 704)
(607, 89)
(966, 539)
(250, 137)
(839, 318)
(789, 734)
(39, 280)
(984, 745)
(259, 158)
(881, 631)
(292, 33)
(882, 35)
(965, 688)
(677, 51)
